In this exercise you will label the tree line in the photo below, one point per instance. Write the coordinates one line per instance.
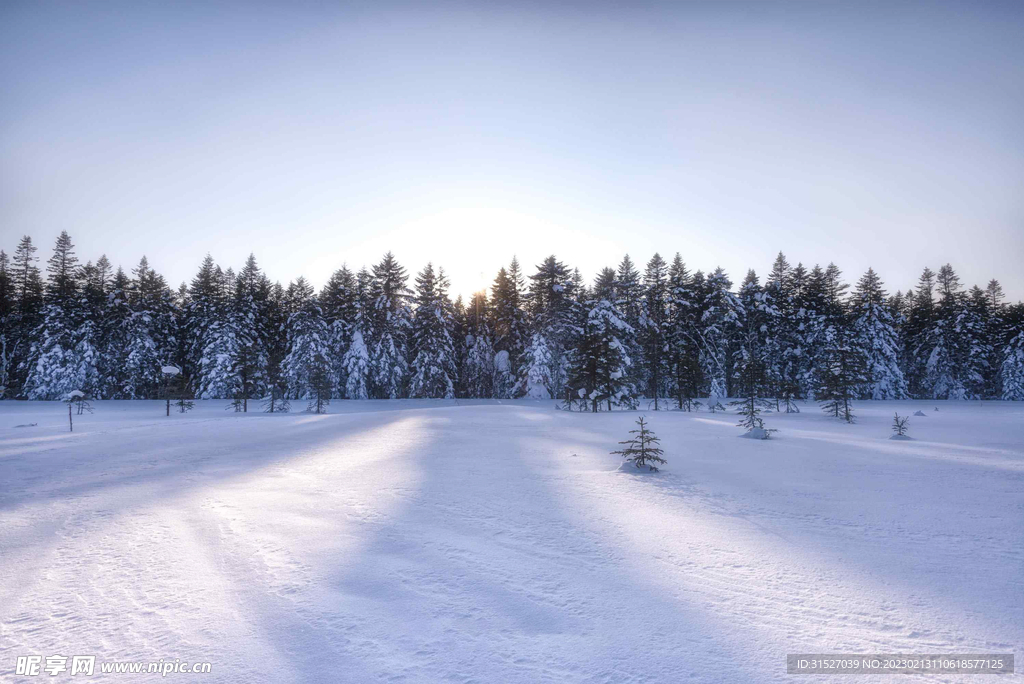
(667, 335)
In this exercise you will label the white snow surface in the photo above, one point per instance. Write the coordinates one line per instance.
(427, 541)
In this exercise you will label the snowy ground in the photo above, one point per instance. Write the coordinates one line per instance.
(424, 541)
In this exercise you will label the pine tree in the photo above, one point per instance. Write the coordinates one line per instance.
(149, 341)
(653, 329)
(61, 359)
(340, 302)
(629, 299)
(643, 449)
(682, 335)
(783, 287)
(306, 368)
(752, 379)
(1012, 369)
(390, 326)
(8, 326)
(555, 314)
(537, 381)
(720, 316)
(899, 425)
(434, 372)
(28, 314)
(356, 364)
(957, 364)
(842, 374)
(509, 327)
(754, 340)
(200, 316)
(599, 360)
(918, 338)
(877, 340)
(250, 317)
(478, 372)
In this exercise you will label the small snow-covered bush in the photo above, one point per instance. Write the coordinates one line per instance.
(899, 425)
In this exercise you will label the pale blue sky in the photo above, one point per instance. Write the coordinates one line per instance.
(881, 134)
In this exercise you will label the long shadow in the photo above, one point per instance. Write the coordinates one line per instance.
(482, 574)
(43, 491)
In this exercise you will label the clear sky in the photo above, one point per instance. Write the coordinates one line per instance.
(870, 134)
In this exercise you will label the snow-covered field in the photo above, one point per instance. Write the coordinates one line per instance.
(500, 542)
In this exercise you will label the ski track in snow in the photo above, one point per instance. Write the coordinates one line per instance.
(418, 541)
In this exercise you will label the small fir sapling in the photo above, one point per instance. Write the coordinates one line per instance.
(753, 379)
(643, 449)
(899, 425)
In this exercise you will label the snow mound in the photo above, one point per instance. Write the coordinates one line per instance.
(75, 394)
(170, 370)
(630, 467)
(922, 414)
(756, 433)
(902, 438)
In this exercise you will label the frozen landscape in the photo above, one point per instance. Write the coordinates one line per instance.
(428, 541)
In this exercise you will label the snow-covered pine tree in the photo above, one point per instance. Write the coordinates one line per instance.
(875, 335)
(653, 329)
(629, 300)
(842, 374)
(682, 336)
(752, 379)
(340, 301)
(478, 372)
(553, 310)
(721, 315)
(755, 338)
(250, 311)
(1011, 371)
(917, 335)
(433, 366)
(509, 326)
(276, 399)
(957, 364)
(306, 368)
(8, 338)
(434, 372)
(537, 382)
(599, 361)
(782, 286)
(62, 358)
(356, 364)
(24, 318)
(149, 341)
(390, 319)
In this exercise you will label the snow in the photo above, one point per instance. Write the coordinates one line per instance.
(75, 394)
(475, 541)
(170, 370)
